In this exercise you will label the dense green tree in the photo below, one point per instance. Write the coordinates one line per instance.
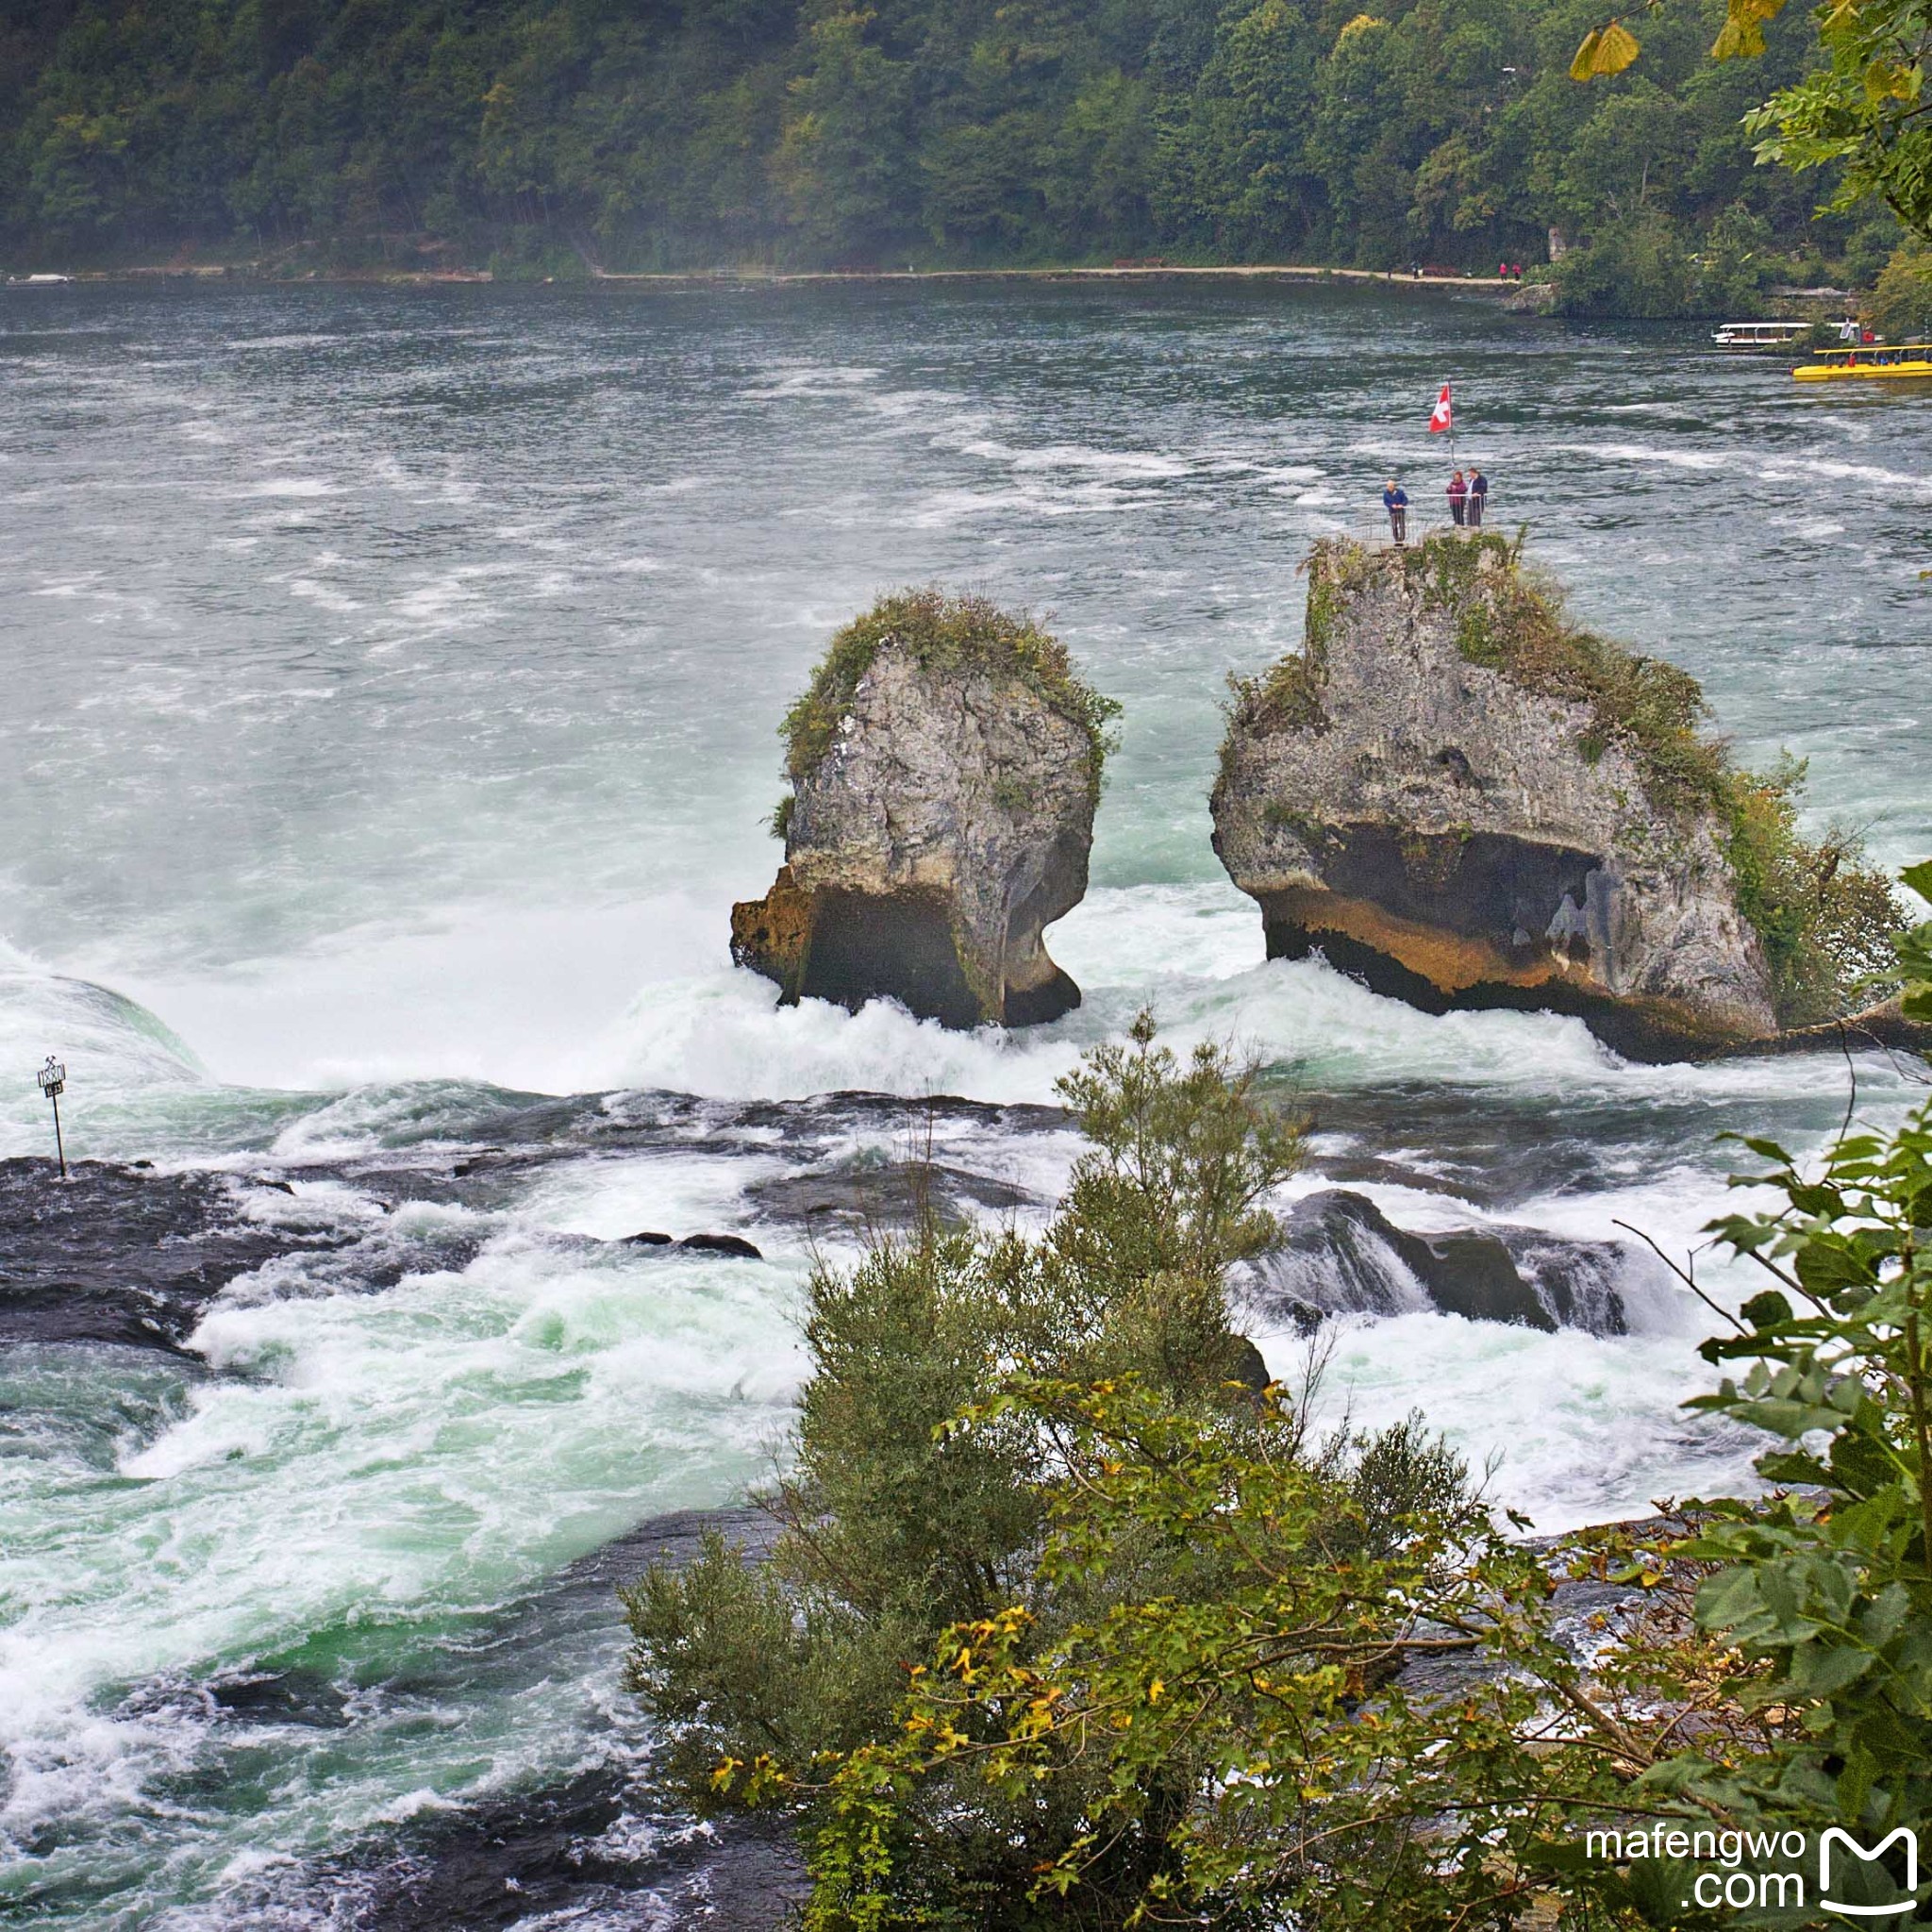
(1901, 305)
(845, 150)
(1863, 114)
(549, 135)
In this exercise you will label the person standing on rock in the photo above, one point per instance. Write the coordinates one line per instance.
(1478, 495)
(1395, 501)
(1458, 497)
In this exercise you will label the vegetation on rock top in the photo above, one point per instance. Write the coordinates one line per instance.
(942, 633)
(1826, 918)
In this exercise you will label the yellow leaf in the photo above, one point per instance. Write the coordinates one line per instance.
(1741, 32)
(1617, 49)
(1738, 39)
(1886, 80)
(1604, 50)
(1154, 1691)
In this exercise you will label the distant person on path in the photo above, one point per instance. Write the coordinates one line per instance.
(1395, 501)
(1478, 495)
(1458, 497)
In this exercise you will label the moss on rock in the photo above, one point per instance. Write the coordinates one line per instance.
(941, 632)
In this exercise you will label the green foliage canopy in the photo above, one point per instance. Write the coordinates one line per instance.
(543, 135)
(1902, 302)
(892, 1525)
(1863, 115)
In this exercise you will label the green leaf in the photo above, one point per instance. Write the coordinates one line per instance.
(1826, 1266)
(1767, 1311)
(1820, 1672)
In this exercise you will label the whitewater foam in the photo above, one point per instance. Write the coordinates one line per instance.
(364, 1462)
(1570, 1428)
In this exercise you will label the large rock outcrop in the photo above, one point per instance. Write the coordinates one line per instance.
(945, 766)
(1441, 796)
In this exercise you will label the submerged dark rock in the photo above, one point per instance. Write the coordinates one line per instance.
(724, 1244)
(861, 1194)
(567, 1851)
(124, 1254)
(1405, 800)
(601, 1847)
(946, 824)
(1342, 1255)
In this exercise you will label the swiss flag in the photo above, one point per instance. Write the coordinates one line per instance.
(1441, 416)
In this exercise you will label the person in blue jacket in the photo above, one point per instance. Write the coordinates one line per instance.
(1479, 497)
(1395, 501)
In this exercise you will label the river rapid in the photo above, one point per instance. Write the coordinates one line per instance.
(392, 686)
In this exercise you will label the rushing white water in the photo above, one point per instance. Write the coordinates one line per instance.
(392, 681)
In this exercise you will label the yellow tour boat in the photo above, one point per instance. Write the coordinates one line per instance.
(1876, 362)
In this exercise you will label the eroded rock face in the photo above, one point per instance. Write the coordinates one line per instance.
(948, 824)
(1459, 840)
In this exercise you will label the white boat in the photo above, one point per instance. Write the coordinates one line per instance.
(1758, 335)
(32, 280)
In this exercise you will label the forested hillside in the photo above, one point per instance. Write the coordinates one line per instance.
(551, 135)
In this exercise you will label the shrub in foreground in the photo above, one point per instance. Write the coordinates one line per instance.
(1065, 1632)
(1775, 1681)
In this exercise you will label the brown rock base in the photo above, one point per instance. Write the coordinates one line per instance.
(1473, 922)
(850, 947)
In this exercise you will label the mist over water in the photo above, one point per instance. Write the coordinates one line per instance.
(393, 680)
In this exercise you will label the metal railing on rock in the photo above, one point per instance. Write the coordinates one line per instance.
(1378, 528)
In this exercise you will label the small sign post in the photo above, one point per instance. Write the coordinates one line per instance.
(53, 1082)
